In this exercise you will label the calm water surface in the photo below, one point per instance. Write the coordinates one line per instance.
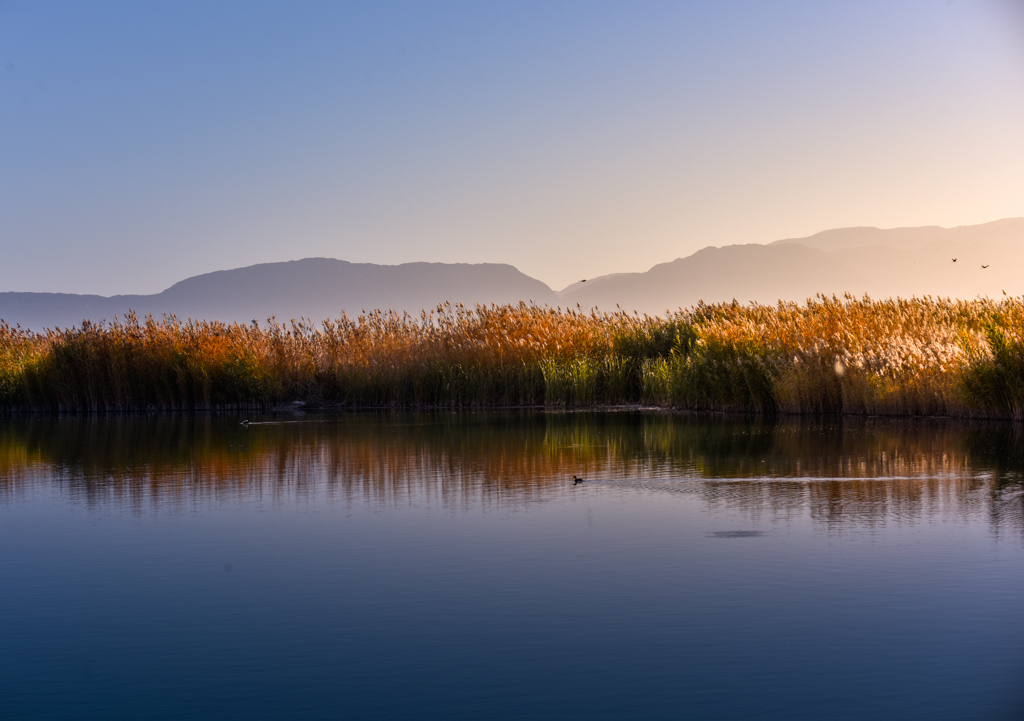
(443, 566)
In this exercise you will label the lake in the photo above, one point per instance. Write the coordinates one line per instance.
(444, 565)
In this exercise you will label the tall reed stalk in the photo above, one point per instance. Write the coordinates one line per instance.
(923, 356)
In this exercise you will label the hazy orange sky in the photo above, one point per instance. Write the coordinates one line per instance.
(141, 143)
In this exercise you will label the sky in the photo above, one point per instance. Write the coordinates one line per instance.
(143, 143)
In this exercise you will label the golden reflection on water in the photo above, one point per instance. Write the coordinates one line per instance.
(836, 470)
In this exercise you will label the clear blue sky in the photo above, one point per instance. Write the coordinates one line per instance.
(143, 142)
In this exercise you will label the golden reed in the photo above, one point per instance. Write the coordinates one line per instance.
(922, 356)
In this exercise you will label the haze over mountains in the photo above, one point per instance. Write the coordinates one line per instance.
(897, 262)
(315, 288)
(900, 262)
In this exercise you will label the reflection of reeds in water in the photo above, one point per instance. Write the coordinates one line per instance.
(831, 355)
(836, 473)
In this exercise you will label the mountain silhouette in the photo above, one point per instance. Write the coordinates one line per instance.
(747, 273)
(314, 288)
(883, 263)
(899, 262)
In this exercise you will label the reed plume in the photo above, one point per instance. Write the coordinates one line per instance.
(922, 356)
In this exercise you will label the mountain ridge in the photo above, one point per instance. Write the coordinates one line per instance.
(313, 288)
(880, 262)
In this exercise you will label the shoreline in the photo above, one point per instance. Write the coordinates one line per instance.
(323, 412)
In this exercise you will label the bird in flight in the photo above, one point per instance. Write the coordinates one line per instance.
(954, 260)
(583, 281)
(984, 266)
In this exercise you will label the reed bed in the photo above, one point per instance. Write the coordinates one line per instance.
(922, 356)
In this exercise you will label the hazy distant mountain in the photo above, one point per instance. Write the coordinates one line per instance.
(883, 263)
(316, 288)
(747, 273)
(1006, 232)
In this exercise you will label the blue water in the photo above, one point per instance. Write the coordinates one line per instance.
(444, 566)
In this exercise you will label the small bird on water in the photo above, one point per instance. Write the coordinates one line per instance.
(245, 422)
(576, 480)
